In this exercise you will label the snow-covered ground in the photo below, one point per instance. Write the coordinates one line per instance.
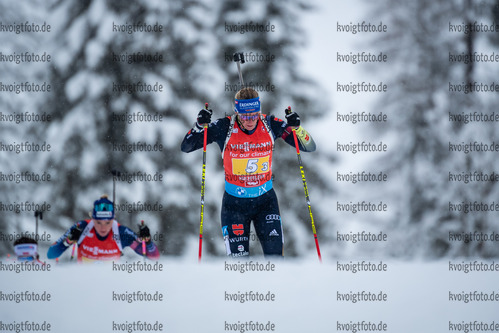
(294, 296)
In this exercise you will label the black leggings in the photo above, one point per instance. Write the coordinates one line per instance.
(237, 214)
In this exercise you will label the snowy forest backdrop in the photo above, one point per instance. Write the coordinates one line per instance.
(197, 68)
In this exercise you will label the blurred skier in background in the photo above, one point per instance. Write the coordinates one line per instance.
(102, 238)
(26, 250)
(246, 140)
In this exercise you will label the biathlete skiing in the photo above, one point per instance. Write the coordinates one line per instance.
(26, 249)
(102, 238)
(246, 140)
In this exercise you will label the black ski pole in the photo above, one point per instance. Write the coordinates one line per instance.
(115, 174)
(38, 213)
(239, 59)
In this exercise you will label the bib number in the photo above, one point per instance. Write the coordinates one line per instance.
(245, 166)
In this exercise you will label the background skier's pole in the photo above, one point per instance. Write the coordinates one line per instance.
(37, 214)
(115, 174)
(239, 59)
(203, 177)
(305, 188)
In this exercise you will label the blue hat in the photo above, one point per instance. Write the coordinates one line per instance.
(247, 105)
(103, 209)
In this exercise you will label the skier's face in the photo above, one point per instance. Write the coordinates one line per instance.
(103, 227)
(249, 120)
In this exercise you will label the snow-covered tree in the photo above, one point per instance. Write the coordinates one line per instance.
(118, 86)
(422, 42)
(23, 62)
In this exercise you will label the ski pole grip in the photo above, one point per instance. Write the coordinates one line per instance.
(239, 57)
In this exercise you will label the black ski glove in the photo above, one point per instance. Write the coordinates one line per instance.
(74, 235)
(292, 118)
(204, 117)
(144, 233)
